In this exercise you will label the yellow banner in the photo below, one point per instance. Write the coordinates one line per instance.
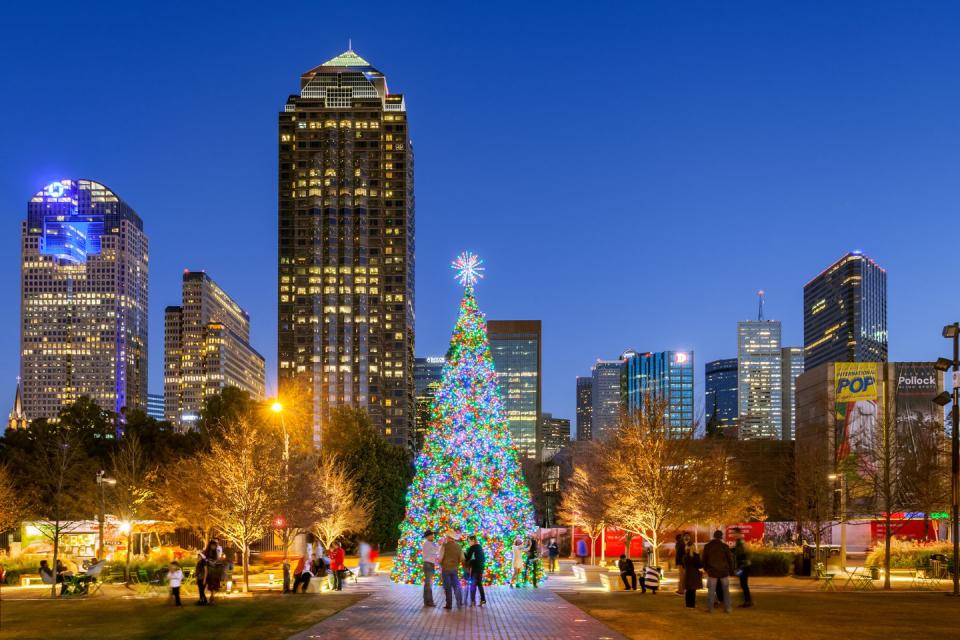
(856, 381)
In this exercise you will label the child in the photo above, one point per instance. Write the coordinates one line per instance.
(175, 576)
(651, 579)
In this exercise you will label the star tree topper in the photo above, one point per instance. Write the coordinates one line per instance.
(469, 268)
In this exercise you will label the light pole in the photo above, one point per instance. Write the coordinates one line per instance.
(843, 517)
(277, 408)
(952, 332)
(102, 480)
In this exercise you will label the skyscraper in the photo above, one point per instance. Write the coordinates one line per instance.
(427, 375)
(791, 368)
(515, 347)
(83, 303)
(607, 398)
(206, 348)
(553, 435)
(584, 408)
(720, 396)
(667, 377)
(346, 252)
(759, 380)
(845, 313)
(155, 406)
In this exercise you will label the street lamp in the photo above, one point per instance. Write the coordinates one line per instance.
(102, 480)
(843, 516)
(277, 408)
(952, 332)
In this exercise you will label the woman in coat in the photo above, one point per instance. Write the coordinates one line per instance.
(692, 575)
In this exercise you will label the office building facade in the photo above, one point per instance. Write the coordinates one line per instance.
(515, 348)
(791, 367)
(346, 252)
(667, 377)
(206, 348)
(83, 304)
(155, 407)
(553, 435)
(427, 376)
(845, 313)
(720, 392)
(584, 408)
(759, 380)
(607, 396)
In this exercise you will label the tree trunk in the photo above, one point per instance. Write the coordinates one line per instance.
(246, 567)
(56, 556)
(655, 544)
(126, 568)
(886, 553)
(593, 549)
(628, 538)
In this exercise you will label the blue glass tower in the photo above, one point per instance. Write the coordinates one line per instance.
(720, 395)
(665, 376)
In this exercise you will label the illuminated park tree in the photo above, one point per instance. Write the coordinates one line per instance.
(468, 477)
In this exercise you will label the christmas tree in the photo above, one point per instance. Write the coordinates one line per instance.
(468, 477)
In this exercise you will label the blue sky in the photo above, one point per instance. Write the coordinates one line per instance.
(632, 173)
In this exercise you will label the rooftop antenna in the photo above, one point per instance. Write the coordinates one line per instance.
(760, 310)
(349, 44)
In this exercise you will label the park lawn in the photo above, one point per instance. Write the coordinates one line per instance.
(778, 615)
(264, 616)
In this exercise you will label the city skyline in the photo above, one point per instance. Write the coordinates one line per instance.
(886, 169)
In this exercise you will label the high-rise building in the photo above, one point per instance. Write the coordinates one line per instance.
(845, 313)
(427, 376)
(83, 302)
(155, 406)
(553, 435)
(759, 380)
(206, 348)
(584, 408)
(515, 347)
(720, 396)
(346, 252)
(667, 377)
(607, 398)
(791, 368)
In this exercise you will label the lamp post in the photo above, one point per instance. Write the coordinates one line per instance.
(843, 517)
(102, 480)
(952, 332)
(277, 408)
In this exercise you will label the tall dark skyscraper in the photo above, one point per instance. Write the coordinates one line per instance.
(83, 302)
(845, 313)
(584, 407)
(515, 347)
(720, 397)
(346, 247)
(427, 376)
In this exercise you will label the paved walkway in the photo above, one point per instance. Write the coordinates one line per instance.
(396, 612)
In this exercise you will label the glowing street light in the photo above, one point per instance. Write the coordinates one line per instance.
(276, 407)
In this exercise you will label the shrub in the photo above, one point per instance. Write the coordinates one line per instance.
(906, 555)
(13, 568)
(769, 562)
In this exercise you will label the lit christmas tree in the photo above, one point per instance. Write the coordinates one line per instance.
(468, 477)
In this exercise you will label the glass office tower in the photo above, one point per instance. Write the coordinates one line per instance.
(584, 407)
(845, 313)
(427, 376)
(666, 376)
(346, 248)
(720, 395)
(759, 380)
(607, 398)
(83, 300)
(791, 368)
(515, 347)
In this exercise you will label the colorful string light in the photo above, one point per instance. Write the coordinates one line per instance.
(468, 477)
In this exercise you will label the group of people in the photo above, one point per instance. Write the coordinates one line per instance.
(649, 578)
(211, 566)
(719, 562)
(321, 565)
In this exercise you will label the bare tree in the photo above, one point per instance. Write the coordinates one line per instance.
(296, 498)
(337, 507)
(134, 490)
(650, 472)
(13, 507)
(723, 494)
(813, 490)
(584, 503)
(241, 468)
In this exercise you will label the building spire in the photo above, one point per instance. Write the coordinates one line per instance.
(760, 295)
(349, 44)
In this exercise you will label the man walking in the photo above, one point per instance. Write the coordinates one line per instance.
(430, 552)
(475, 560)
(553, 553)
(451, 559)
(717, 561)
(625, 565)
(741, 559)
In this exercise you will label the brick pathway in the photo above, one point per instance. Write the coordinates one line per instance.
(396, 612)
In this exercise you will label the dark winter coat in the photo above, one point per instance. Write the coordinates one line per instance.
(681, 550)
(717, 559)
(626, 567)
(692, 576)
(475, 558)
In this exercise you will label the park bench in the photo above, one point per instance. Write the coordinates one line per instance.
(29, 579)
(590, 573)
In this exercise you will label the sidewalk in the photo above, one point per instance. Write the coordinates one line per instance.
(395, 612)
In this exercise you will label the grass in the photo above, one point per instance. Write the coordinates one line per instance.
(262, 616)
(778, 615)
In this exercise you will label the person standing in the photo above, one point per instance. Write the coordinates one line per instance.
(627, 570)
(680, 553)
(581, 551)
(692, 576)
(553, 552)
(717, 561)
(519, 561)
(175, 578)
(451, 559)
(532, 567)
(200, 572)
(741, 559)
(337, 566)
(430, 553)
(475, 560)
